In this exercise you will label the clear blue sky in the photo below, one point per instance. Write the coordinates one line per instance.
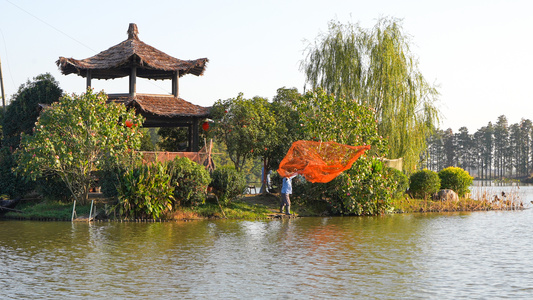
(479, 53)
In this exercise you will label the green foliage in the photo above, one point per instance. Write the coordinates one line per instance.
(78, 136)
(324, 117)
(53, 188)
(148, 140)
(227, 183)
(376, 67)
(424, 183)
(245, 127)
(456, 179)
(399, 183)
(189, 181)
(173, 139)
(365, 189)
(10, 184)
(145, 191)
(48, 210)
(23, 111)
(287, 128)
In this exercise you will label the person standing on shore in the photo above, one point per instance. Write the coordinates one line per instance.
(286, 190)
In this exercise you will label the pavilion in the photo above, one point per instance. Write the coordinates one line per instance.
(134, 58)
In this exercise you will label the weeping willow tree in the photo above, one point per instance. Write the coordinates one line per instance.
(376, 67)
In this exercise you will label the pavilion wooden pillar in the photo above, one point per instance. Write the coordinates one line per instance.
(195, 135)
(89, 78)
(133, 81)
(175, 84)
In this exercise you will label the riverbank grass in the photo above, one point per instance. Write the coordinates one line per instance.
(245, 208)
(483, 202)
(47, 210)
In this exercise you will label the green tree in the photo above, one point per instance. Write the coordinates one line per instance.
(173, 139)
(377, 68)
(501, 146)
(244, 126)
(325, 117)
(526, 128)
(23, 111)
(285, 131)
(464, 148)
(366, 187)
(484, 142)
(77, 136)
(450, 147)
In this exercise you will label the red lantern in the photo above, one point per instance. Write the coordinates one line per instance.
(205, 126)
(129, 123)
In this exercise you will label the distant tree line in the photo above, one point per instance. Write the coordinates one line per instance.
(495, 151)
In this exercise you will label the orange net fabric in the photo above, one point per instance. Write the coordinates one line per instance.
(319, 161)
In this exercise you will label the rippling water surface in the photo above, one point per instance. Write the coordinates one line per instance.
(436, 256)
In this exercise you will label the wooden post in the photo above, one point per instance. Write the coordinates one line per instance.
(195, 135)
(91, 211)
(133, 81)
(73, 211)
(190, 139)
(175, 84)
(88, 79)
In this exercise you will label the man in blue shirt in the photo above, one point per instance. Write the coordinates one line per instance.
(286, 190)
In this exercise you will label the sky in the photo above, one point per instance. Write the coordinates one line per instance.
(477, 52)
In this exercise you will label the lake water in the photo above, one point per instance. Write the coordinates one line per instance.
(476, 255)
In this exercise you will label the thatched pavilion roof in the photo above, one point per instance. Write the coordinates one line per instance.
(116, 62)
(161, 110)
(162, 105)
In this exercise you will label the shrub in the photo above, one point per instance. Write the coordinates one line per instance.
(456, 179)
(424, 183)
(109, 180)
(11, 185)
(365, 189)
(228, 183)
(145, 191)
(189, 181)
(400, 182)
(53, 188)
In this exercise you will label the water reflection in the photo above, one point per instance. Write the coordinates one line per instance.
(468, 255)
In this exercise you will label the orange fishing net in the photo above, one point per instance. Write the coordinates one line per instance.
(319, 161)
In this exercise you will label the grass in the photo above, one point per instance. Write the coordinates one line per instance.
(265, 206)
(47, 210)
(245, 208)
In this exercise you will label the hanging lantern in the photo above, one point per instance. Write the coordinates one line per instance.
(205, 126)
(129, 123)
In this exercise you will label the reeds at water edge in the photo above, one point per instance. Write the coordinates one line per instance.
(480, 200)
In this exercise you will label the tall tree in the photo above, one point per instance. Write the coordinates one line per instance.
(244, 126)
(514, 159)
(485, 143)
(501, 146)
(450, 148)
(464, 149)
(377, 68)
(23, 111)
(526, 129)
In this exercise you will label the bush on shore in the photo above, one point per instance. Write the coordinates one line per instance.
(424, 183)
